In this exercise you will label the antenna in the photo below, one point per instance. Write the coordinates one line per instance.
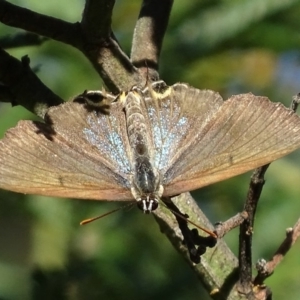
(178, 214)
(87, 221)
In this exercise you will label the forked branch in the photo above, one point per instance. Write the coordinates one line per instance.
(266, 269)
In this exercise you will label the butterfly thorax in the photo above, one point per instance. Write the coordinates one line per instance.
(146, 187)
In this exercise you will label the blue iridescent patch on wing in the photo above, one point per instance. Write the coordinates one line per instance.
(111, 147)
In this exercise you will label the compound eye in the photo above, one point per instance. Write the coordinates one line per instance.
(147, 205)
(154, 205)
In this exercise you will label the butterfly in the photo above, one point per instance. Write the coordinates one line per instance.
(153, 142)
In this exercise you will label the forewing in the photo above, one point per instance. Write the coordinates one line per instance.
(77, 154)
(246, 132)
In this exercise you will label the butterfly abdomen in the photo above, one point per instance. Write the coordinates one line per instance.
(146, 187)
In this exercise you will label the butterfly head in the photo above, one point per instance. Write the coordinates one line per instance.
(147, 203)
(146, 187)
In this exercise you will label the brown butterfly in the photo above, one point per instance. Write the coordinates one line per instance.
(159, 141)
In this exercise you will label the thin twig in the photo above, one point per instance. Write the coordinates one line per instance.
(222, 228)
(266, 269)
(245, 238)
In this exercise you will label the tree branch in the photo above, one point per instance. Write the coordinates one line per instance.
(266, 269)
(25, 87)
(218, 266)
(56, 29)
(245, 238)
(6, 95)
(94, 38)
(102, 48)
(96, 18)
(221, 228)
(148, 36)
(246, 228)
(95, 41)
(21, 39)
(112, 64)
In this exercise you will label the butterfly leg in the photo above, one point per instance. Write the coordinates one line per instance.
(196, 244)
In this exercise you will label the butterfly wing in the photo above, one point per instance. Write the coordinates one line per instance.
(170, 124)
(208, 140)
(76, 153)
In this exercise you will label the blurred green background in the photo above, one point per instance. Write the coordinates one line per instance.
(231, 46)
